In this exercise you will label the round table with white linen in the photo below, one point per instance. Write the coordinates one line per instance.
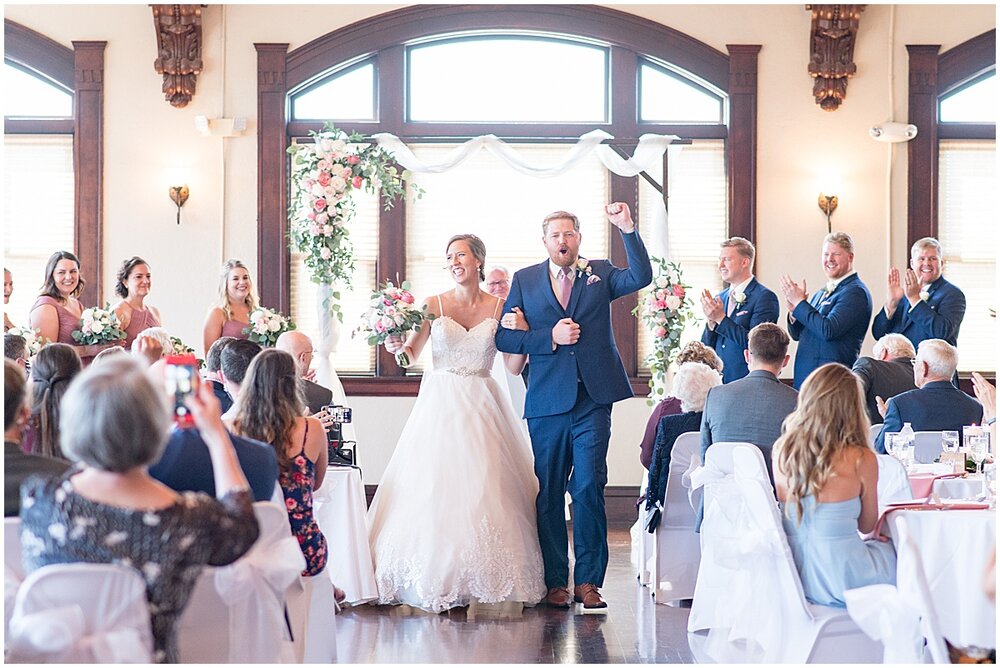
(954, 547)
(340, 510)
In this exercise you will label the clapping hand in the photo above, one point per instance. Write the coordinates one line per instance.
(987, 395)
(620, 216)
(883, 407)
(911, 286)
(515, 320)
(712, 306)
(394, 343)
(895, 289)
(791, 290)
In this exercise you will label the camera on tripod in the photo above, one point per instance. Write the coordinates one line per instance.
(339, 451)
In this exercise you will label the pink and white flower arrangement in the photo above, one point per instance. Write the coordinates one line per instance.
(665, 310)
(98, 325)
(33, 338)
(392, 312)
(320, 211)
(266, 326)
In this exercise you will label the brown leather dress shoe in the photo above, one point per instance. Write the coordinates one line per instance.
(558, 597)
(589, 595)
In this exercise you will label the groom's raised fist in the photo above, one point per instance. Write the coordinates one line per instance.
(620, 216)
(566, 332)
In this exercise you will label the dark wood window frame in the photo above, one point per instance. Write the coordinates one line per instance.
(79, 71)
(384, 37)
(932, 76)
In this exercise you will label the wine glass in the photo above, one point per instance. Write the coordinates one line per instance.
(949, 441)
(978, 445)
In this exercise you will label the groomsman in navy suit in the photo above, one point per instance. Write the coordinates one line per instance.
(737, 309)
(832, 324)
(576, 375)
(933, 308)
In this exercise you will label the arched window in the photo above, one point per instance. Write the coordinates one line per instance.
(52, 147)
(537, 77)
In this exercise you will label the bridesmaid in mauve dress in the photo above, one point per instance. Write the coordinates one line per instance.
(57, 311)
(134, 280)
(237, 300)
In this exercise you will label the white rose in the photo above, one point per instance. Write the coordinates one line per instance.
(325, 253)
(338, 146)
(387, 322)
(321, 218)
(260, 328)
(274, 325)
(97, 328)
(328, 230)
(662, 282)
(257, 317)
(326, 145)
(338, 184)
(673, 302)
(317, 190)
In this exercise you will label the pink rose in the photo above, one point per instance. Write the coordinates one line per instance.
(323, 165)
(379, 327)
(314, 230)
(660, 304)
(311, 215)
(353, 160)
(357, 181)
(290, 504)
(319, 204)
(406, 297)
(679, 291)
(660, 332)
(323, 179)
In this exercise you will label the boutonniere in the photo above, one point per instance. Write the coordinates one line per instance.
(583, 268)
(739, 298)
(925, 295)
(830, 287)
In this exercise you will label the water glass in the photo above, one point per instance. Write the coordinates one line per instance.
(949, 441)
(990, 483)
(979, 445)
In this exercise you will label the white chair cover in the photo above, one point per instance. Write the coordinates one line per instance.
(236, 613)
(749, 595)
(926, 446)
(641, 553)
(12, 557)
(893, 483)
(873, 433)
(314, 625)
(677, 548)
(884, 615)
(910, 568)
(81, 613)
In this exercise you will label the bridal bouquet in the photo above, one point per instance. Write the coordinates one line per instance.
(266, 326)
(665, 310)
(33, 338)
(97, 326)
(392, 313)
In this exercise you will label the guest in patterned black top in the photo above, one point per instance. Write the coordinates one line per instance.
(108, 510)
(269, 408)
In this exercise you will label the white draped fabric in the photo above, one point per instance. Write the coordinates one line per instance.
(648, 152)
(339, 507)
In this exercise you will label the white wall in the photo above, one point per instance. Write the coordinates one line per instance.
(800, 150)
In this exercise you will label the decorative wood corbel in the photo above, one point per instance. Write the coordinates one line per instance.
(831, 58)
(178, 44)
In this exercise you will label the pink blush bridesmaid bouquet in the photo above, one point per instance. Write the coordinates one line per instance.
(392, 313)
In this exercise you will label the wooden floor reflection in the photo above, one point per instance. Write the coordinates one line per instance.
(634, 630)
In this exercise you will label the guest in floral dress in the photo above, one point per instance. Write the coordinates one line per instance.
(108, 510)
(269, 408)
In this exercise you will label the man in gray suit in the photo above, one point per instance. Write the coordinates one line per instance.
(888, 372)
(751, 409)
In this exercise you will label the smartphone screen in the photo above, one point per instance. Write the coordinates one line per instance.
(181, 379)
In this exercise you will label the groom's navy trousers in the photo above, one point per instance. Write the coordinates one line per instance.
(568, 404)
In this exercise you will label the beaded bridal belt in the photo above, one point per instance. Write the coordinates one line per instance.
(466, 371)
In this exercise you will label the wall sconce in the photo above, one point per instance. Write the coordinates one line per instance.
(179, 195)
(828, 204)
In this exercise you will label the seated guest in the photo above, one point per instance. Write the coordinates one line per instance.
(831, 325)
(691, 385)
(737, 309)
(114, 425)
(300, 348)
(15, 349)
(936, 405)
(888, 372)
(921, 304)
(16, 464)
(236, 358)
(55, 366)
(270, 410)
(825, 477)
(213, 363)
(693, 351)
(751, 409)
(109, 353)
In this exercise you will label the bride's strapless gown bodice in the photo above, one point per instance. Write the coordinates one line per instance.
(460, 351)
(453, 519)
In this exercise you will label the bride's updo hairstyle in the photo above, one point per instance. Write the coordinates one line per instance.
(830, 417)
(477, 247)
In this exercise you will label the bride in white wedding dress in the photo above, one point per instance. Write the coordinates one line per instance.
(453, 520)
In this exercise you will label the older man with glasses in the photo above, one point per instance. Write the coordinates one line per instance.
(498, 282)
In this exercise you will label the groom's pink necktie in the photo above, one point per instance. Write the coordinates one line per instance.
(565, 287)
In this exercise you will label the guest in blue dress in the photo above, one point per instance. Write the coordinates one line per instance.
(825, 477)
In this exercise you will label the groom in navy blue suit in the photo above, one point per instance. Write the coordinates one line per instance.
(576, 375)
